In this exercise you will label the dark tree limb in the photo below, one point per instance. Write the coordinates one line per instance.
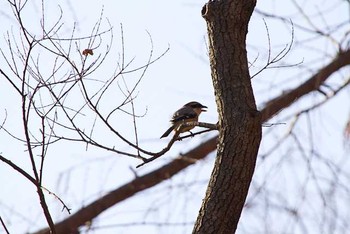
(91, 211)
(139, 184)
(167, 171)
(240, 123)
(312, 84)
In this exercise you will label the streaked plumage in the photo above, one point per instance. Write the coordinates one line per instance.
(188, 113)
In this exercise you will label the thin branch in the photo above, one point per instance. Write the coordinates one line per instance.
(4, 226)
(11, 82)
(177, 138)
(141, 183)
(19, 170)
(312, 84)
(65, 207)
(32, 180)
(127, 190)
(280, 55)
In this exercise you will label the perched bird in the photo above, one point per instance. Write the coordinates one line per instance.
(186, 114)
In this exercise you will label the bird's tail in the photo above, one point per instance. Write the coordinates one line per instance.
(167, 132)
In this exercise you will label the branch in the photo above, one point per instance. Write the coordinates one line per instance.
(11, 82)
(139, 184)
(4, 226)
(151, 179)
(19, 170)
(277, 104)
(177, 138)
(31, 179)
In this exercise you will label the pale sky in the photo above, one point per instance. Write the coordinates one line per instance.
(182, 75)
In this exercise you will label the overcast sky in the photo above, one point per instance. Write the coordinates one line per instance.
(78, 175)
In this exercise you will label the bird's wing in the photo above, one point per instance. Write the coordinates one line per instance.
(183, 114)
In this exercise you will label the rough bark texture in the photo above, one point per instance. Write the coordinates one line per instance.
(91, 211)
(240, 123)
(167, 171)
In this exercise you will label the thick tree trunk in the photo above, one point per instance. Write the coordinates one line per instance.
(240, 122)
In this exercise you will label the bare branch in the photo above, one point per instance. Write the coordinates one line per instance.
(312, 84)
(177, 138)
(139, 184)
(4, 226)
(143, 182)
(279, 56)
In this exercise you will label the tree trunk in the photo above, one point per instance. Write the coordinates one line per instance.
(239, 120)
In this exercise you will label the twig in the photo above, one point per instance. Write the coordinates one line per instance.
(177, 138)
(4, 226)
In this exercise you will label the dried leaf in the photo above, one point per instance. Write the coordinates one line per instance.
(87, 52)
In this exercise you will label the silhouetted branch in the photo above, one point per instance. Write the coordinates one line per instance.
(4, 226)
(167, 171)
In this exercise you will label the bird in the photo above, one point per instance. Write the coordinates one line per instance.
(186, 114)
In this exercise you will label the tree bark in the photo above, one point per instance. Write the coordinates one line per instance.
(155, 177)
(239, 120)
(273, 107)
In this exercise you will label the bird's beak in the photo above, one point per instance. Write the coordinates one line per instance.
(204, 110)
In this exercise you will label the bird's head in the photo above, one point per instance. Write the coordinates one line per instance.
(197, 107)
